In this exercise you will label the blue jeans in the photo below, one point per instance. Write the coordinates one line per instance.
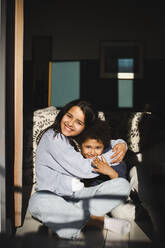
(67, 216)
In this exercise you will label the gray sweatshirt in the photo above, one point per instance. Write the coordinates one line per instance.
(57, 163)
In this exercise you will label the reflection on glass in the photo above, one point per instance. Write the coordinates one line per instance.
(126, 65)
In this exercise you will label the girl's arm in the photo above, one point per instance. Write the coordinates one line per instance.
(57, 183)
(53, 181)
(119, 147)
(70, 160)
(115, 153)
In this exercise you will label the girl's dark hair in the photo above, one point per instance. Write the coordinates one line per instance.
(87, 108)
(100, 130)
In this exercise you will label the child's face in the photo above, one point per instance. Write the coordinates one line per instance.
(91, 148)
(73, 122)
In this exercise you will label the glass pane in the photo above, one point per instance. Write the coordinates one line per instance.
(126, 65)
(125, 93)
(65, 82)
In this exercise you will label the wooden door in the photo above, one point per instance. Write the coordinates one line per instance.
(18, 110)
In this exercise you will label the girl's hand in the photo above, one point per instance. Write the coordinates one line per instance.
(119, 153)
(104, 168)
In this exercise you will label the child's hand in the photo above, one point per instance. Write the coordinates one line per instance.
(103, 167)
(119, 153)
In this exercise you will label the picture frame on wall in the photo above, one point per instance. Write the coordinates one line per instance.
(121, 59)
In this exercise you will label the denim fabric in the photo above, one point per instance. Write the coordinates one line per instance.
(67, 216)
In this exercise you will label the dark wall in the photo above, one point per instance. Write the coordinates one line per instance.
(101, 92)
(148, 91)
(76, 28)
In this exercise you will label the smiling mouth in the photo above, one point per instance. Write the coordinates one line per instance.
(89, 156)
(68, 128)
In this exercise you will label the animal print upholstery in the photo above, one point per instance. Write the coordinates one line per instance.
(133, 135)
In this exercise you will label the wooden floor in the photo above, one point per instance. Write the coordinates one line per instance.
(34, 234)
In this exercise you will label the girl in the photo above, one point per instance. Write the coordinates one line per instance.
(58, 202)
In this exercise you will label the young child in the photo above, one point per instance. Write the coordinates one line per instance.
(94, 144)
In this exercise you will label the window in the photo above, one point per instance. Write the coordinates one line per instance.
(123, 56)
(64, 82)
(125, 82)
(122, 61)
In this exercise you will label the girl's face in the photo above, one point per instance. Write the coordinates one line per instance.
(73, 122)
(91, 148)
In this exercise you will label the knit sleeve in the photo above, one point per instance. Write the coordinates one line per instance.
(70, 160)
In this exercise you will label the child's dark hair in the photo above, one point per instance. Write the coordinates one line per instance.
(100, 130)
